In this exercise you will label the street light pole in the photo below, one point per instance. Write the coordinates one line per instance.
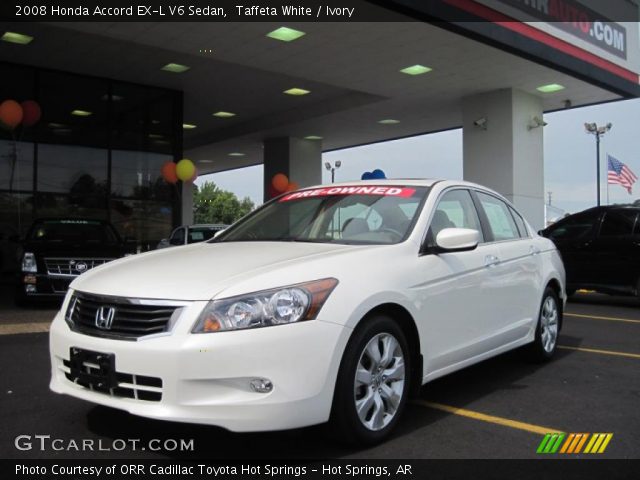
(598, 132)
(333, 168)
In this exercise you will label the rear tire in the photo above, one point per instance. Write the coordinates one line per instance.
(373, 383)
(548, 328)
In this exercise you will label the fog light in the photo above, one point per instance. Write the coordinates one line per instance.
(261, 385)
(29, 279)
(30, 288)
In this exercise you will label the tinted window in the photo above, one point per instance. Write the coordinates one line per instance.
(178, 237)
(522, 227)
(575, 227)
(502, 225)
(455, 210)
(199, 234)
(618, 223)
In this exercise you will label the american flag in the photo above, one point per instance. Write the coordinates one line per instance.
(620, 174)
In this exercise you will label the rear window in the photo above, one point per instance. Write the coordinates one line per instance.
(73, 231)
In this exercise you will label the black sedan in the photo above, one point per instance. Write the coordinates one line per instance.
(600, 248)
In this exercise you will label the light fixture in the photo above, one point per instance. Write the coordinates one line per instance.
(333, 168)
(535, 123)
(285, 34)
(155, 135)
(81, 113)
(416, 70)
(296, 91)
(481, 123)
(56, 125)
(175, 68)
(313, 137)
(205, 161)
(236, 154)
(550, 88)
(389, 121)
(222, 114)
(188, 126)
(18, 38)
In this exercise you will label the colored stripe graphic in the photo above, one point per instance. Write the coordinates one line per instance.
(574, 443)
(550, 443)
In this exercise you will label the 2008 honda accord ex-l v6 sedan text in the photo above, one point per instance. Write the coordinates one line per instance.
(327, 304)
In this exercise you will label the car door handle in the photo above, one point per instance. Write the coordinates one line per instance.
(534, 250)
(491, 261)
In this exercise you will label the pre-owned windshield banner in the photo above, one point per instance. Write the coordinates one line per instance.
(387, 191)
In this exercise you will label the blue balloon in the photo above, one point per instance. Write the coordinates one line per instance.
(378, 174)
(366, 176)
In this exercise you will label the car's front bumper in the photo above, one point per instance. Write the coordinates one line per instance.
(205, 377)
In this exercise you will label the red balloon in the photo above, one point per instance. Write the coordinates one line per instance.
(32, 113)
(280, 182)
(10, 114)
(169, 172)
(273, 192)
(292, 186)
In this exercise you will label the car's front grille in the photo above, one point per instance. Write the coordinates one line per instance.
(129, 385)
(120, 318)
(72, 266)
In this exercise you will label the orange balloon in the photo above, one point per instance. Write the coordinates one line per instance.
(169, 172)
(280, 182)
(10, 114)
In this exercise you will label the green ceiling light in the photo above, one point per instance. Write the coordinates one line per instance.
(175, 68)
(285, 34)
(552, 87)
(18, 38)
(236, 154)
(296, 91)
(81, 113)
(155, 136)
(312, 137)
(188, 126)
(416, 70)
(224, 114)
(389, 121)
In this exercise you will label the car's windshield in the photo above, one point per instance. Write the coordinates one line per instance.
(73, 231)
(351, 215)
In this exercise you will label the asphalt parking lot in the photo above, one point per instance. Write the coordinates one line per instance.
(500, 408)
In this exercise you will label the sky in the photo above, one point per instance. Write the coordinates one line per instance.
(569, 157)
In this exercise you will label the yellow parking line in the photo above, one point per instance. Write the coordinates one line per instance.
(595, 317)
(603, 352)
(15, 328)
(505, 422)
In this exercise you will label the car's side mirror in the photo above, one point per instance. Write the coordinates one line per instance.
(457, 239)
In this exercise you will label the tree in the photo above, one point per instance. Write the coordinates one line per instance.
(214, 205)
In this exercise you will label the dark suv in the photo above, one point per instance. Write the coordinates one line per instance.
(57, 250)
(600, 248)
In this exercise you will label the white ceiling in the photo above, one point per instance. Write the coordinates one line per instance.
(351, 69)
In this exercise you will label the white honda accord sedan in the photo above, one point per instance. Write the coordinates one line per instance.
(327, 304)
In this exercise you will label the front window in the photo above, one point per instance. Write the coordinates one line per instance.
(348, 215)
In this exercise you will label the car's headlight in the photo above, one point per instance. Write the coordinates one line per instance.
(277, 306)
(29, 263)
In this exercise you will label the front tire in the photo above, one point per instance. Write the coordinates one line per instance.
(373, 382)
(547, 329)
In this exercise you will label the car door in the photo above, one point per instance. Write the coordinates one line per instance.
(616, 251)
(517, 287)
(573, 236)
(456, 295)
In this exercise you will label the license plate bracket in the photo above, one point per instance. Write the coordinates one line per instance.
(94, 369)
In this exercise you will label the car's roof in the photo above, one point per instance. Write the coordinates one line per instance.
(414, 182)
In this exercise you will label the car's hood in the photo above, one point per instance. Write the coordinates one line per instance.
(200, 271)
